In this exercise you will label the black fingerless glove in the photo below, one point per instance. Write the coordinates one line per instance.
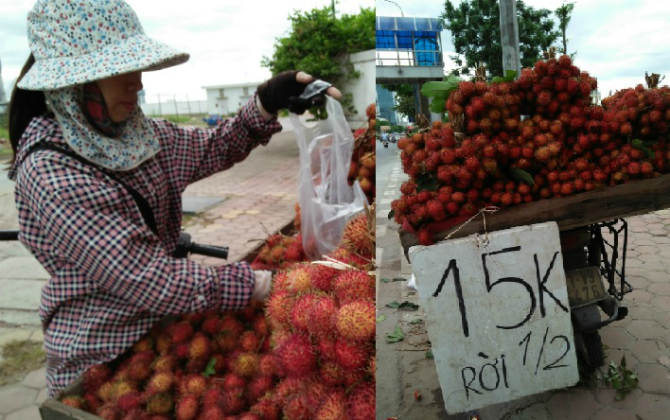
(283, 91)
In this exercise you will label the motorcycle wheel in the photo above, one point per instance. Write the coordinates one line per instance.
(589, 347)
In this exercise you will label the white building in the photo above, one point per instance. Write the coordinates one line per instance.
(228, 99)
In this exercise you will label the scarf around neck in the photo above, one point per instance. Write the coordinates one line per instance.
(83, 117)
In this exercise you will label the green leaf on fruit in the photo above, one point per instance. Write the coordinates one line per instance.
(443, 88)
(381, 318)
(437, 106)
(395, 336)
(521, 176)
(391, 214)
(209, 370)
(510, 76)
(642, 146)
(416, 321)
(386, 280)
(426, 183)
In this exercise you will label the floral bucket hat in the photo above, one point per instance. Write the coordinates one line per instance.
(79, 41)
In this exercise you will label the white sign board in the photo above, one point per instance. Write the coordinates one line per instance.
(497, 315)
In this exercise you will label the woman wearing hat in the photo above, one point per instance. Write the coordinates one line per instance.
(98, 185)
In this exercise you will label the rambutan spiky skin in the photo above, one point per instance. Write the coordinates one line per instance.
(300, 313)
(109, 412)
(249, 416)
(160, 382)
(351, 285)
(297, 356)
(244, 364)
(199, 347)
(193, 384)
(213, 412)
(211, 325)
(130, 401)
(334, 407)
(75, 401)
(361, 402)
(234, 401)
(95, 376)
(187, 408)
(298, 407)
(249, 341)
(278, 308)
(357, 237)
(330, 373)
(321, 316)
(266, 408)
(298, 279)
(356, 320)
(160, 404)
(136, 414)
(350, 355)
(181, 332)
(258, 387)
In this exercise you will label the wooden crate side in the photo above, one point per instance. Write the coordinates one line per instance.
(53, 409)
(287, 230)
(582, 209)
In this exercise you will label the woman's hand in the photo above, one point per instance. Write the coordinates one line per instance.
(284, 90)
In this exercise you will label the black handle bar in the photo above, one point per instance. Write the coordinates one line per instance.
(184, 247)
(9, 235)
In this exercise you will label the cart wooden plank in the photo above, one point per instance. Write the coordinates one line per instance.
(634, 198)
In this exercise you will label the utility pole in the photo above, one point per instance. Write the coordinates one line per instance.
(509, 37)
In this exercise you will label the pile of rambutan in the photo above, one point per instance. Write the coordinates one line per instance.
(310, 357)
(535, 138)
(363, 159)
(323, 326)
(204, 366)
(279, 251)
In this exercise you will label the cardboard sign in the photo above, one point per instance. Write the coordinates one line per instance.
(497, 315)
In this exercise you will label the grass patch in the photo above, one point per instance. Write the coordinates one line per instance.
(20, 358)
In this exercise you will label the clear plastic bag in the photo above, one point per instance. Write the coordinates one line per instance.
(326, 199)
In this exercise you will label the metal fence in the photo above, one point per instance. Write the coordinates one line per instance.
(160, 105)
(412, 58)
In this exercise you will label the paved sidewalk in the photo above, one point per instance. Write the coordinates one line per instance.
(643, 337)
(259, 195)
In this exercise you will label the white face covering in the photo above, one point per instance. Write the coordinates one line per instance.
(136, 144)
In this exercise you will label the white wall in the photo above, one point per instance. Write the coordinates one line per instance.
(362, 88)
(234, 97)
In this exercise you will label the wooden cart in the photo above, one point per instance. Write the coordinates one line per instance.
(589, 257)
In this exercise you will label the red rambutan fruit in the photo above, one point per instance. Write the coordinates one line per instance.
(297, 355)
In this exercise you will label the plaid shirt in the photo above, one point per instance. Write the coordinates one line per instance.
(112, 278)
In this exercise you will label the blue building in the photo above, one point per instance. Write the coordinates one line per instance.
(385, 104)
(409, 51)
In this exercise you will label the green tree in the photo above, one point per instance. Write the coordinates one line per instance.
(475, 31)
(319, 42)
(564, 14)
(404, 96)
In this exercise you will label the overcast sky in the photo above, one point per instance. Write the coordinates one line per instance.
(616, 40)
(226, 39)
